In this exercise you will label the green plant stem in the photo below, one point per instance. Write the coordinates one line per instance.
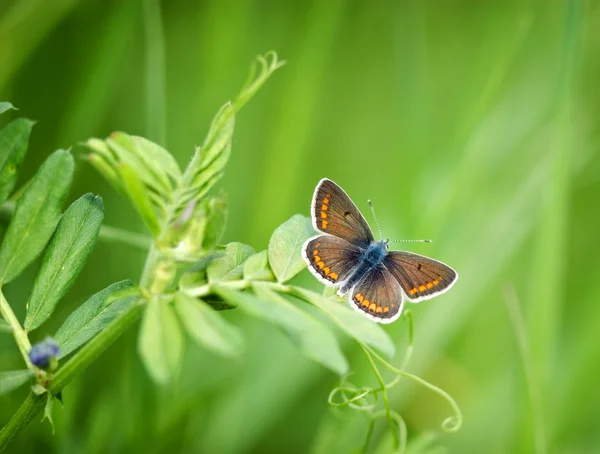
(115, 235)
(17, 330)
(450, 424)
(386, 402)
(32, 406)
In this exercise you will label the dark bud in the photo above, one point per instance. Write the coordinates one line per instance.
(43, 354)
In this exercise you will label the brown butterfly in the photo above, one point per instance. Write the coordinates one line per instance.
(376, 280)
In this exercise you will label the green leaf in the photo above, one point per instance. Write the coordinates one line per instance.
(72, 243)
(208, 164)
(4, 106)
(153, 155)
(285, 247)
(14, 138)
(312, 337)
(12, 379)
(354, 324)
(139, 196)
(160, 341)
(108, 171)
(269, 63)
(216, 215)
(154, 165)
(92, 317)
(230, 266)
(207, 327)
(36, 215)
(48, 410)
(256, 268)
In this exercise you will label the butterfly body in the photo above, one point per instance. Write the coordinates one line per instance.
(346, 256)
(371, 258)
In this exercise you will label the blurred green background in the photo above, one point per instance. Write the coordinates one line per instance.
(475, 124)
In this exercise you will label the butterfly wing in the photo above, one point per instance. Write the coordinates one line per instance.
(334, 213)
(330, 259)
(421, 278)
(378, 296)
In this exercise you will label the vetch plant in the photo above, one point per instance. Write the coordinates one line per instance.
(187, 279)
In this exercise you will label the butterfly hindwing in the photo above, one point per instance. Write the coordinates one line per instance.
(421, 278)
(330, 259)
(334, 213)
(378, 295)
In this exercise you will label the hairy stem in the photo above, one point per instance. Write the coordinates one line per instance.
(17, 330)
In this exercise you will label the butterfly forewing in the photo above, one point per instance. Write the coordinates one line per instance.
(330, 259)
(334, 213)
(420, 277)
(378, 295)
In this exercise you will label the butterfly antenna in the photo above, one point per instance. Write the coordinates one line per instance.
(410, 241)
(376, 221)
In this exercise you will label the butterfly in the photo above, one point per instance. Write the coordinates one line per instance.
(376, 280)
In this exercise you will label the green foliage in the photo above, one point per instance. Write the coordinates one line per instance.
(48, 410)
(139, 196)
(92, 317)
(12, 379)
(36, 215)
(14, 139)
(73, 241)
(285, 247)
(350, 321)
(206, 327)
(161, 341)
(208, 163)
(214, 212)
(188, 276)
(313, 338)
(5, 106)
(256, 268)
(230, 266)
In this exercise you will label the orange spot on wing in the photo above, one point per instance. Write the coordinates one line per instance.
(324, 224)
(317, 258)
(372, 306)
(316, 252)
(436, 282)
(334, 276)
(412, 291)
(386, 309)
(379, 309)
(365, 303)
(422, 288)
(429, 285)
(326, 271)
(320, 265)
(359, 297)
(324, 207)
(326, 200)
(323, 215)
